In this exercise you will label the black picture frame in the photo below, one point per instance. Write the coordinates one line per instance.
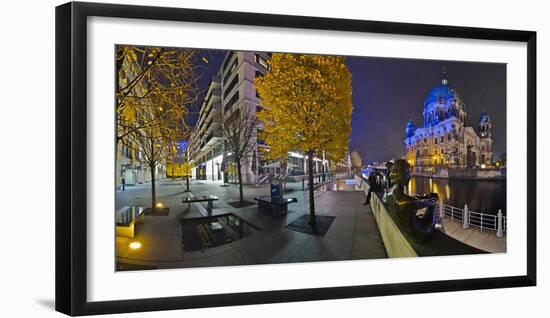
(71, 157)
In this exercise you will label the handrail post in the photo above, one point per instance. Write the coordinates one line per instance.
(466, 217)
(499, 223)
(481, 222)
(439, 217)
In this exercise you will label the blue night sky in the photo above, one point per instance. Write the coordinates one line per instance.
(387, 92)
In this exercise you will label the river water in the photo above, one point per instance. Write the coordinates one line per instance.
(486, 196)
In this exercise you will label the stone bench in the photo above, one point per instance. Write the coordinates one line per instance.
(279, 206)
(126, 219)
(205, 198)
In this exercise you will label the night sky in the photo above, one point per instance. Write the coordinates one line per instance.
(387, 92)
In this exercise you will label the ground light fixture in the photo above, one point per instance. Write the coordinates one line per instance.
(159, 205)
(135, 245)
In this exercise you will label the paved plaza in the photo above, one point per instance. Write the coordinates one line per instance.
(352, 235)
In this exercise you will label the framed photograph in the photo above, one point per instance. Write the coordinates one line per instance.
(208, 158)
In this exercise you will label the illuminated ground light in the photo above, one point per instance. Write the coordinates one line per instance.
(135, 245)
(159, 205)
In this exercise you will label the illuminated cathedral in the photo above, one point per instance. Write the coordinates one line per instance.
(445, 140)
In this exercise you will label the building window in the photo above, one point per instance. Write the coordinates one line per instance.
(231, 102)
(261, 60)
(231, 85)
(229, 57)
(234, 65)
(230, 72)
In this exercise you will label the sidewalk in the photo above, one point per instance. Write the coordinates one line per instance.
(352, 235)
(473, 236)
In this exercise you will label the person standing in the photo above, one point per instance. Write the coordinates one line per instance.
(373, 185)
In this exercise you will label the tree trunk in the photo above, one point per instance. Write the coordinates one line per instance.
(241, 198)
(187, 182)
(312, 222)
(153, 190)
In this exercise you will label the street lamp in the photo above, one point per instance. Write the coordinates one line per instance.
(187, 169)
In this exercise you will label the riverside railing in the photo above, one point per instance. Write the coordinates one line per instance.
(469, 218)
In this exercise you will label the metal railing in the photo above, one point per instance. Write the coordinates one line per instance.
(483, 221)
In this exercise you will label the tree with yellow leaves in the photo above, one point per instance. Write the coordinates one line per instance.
(155, 90)
(154, 142)
(178, 163)
(162, 78)
(307, 107)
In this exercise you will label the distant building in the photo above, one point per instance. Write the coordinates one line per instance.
(445, 140)
(233, 89)
(129, 161)
(205, 144)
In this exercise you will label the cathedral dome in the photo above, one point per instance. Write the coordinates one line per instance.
(442, 102)
(442, 94)
(484, 118)
(409, 129)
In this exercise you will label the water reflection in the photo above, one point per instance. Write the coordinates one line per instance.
(485, 196)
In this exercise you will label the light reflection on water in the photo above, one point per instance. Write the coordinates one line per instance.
(485, 196)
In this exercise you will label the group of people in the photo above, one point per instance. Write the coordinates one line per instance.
(378, 179)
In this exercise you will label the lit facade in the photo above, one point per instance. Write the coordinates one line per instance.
(231, 90)
(445, 140)
(205, 144)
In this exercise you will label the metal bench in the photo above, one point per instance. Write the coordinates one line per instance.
(279, 206)
(204, 198)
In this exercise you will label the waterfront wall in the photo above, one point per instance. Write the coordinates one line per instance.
(394, 241)
(398, 245)
(460, 173)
